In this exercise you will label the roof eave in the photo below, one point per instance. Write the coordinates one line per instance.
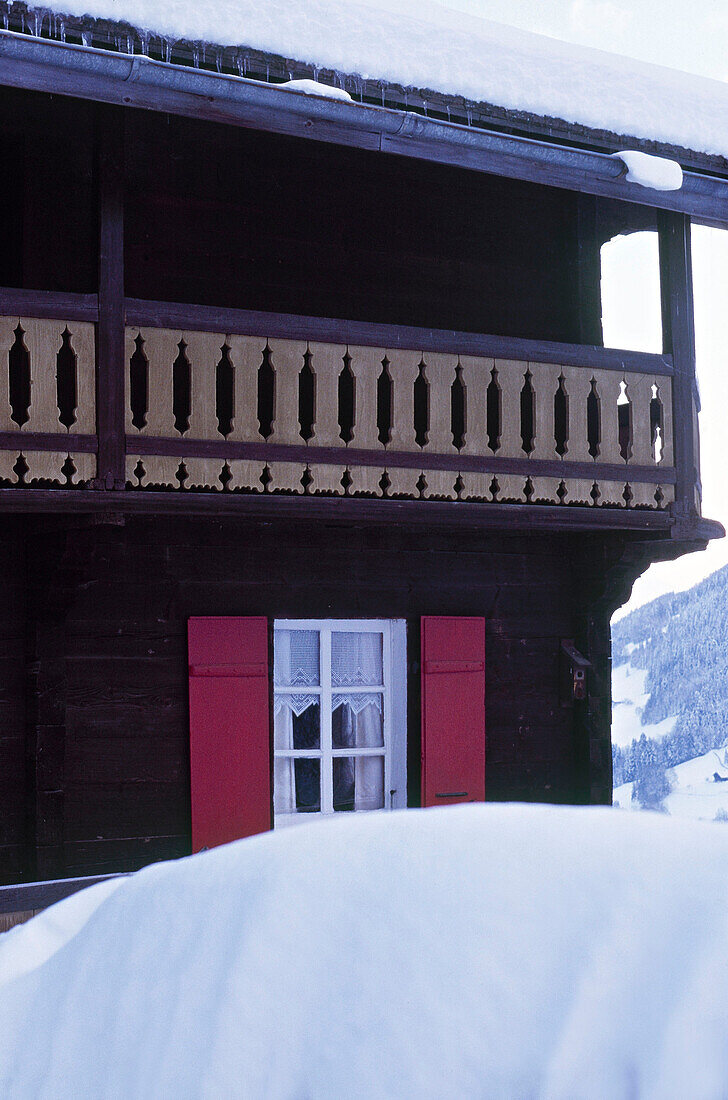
(140, 82)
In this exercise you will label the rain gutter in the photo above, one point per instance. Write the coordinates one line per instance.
(140, 82)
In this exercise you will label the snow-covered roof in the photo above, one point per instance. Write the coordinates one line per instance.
(425, 47)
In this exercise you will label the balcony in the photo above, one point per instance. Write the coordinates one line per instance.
(236, 404)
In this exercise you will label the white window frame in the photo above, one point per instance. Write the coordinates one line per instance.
(394, 692)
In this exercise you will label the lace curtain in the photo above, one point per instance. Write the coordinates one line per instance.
(356, 661)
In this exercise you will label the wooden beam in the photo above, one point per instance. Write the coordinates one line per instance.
(48, 304)
(678, 331)
(335, 509)
(422, 460)
(48, 441)
(110, 331)
(289, 326)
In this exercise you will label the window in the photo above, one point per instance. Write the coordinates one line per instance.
(339, 717)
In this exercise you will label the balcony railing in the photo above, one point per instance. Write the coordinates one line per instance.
(258, 413)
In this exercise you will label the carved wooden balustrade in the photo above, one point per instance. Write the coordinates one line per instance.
(220, 411)
(47, 402)
(235, 413)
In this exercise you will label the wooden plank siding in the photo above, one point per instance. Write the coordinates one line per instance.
(108, 718)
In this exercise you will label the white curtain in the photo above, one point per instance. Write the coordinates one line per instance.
(296, 662)
(356, 661)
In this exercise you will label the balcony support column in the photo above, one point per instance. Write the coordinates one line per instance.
(678, 334)
(110, 332)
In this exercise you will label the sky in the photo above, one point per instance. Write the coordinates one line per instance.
(693, 37)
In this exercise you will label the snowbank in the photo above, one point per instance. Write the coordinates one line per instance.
(425, 45)
(500, 951)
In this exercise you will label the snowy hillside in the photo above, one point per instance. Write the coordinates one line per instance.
(480, 950)
(670, 702)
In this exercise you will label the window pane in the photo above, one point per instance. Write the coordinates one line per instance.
(358, 782)
(297, 722)
(297, 786)
(296, 658)
(356, 659)
(357, 721)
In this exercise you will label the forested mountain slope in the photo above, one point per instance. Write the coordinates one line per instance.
(681, 641)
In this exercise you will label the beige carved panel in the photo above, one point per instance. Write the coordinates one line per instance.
(664, 392)
(83, 343)
(203, 473)
(286, 477)
(440, 484)
(476, 377)
(639, 392)
(366, 480)
(204, 352)
(327, 363)
(579, 490)
(511, 487)
(404, 367)
(158, 470)
(366, 366)
(545, 382)
(511, 375)
(246, 475)
(476, 486)
(326, 479)
(246, 356)
(440, 375)
(545, 490)
(611, 492)
(403, 482)
(287, 358)
(608, 391)
(577, 383)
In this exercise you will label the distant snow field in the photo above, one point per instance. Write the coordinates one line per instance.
(563, 953)
(696, 793)
(629, 699)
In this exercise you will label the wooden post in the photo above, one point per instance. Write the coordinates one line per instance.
(110, 361)
(588, 271)
(678, 334)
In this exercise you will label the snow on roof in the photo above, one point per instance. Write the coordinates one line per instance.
(427, 46)
(501, 950)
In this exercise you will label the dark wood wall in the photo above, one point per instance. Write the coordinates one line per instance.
(13, 781)
(106, 672)
(224, 216)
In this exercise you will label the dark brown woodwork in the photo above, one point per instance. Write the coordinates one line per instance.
(47, 441)
(334, 330)
(434, 513)
(110, 358)
(265, 452)
(48, 303)
(678, 328)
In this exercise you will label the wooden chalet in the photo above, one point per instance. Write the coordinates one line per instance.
(317, 488)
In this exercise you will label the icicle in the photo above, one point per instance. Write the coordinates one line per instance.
(167, 49)
(469, 115)
(86, 37)
(424, 106)
(144, 42)
(196, 55)
(316, 73)
(219, 53)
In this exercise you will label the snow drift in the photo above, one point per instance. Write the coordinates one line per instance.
(500, 951)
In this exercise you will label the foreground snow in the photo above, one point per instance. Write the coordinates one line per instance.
(499, 951)
(426, 45)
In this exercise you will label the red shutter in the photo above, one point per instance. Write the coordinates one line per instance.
(229, 729)
(453, 710)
